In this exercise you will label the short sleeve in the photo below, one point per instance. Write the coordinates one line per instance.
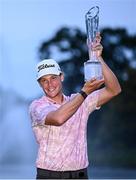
(91, 101)
(38, 113)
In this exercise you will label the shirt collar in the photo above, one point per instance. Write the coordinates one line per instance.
(54, 102)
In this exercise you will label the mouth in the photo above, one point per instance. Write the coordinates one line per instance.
(51, 90)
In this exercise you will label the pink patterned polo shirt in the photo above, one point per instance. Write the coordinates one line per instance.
(62, 148)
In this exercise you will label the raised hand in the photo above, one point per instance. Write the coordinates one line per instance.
(92, 85)
(95, 46)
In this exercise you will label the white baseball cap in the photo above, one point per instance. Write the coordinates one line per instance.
(47, 66)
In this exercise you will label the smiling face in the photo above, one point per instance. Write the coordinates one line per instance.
(52, 85)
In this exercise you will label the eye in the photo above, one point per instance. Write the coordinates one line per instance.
(44, 81)
(54, 77)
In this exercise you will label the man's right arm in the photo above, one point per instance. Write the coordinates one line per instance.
(62, 114)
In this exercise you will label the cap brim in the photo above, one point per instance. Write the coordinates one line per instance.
(44, 73)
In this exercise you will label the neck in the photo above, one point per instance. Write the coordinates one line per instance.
(58, 99)
(92, 55)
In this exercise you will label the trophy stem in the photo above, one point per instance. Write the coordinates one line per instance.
(92, 56)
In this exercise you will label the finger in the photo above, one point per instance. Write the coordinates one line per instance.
(100, 84)
(93, 79)
(98, 47)
(98, 40)
(96, 44)
(98, 35)
(101, 80)
(89, 82)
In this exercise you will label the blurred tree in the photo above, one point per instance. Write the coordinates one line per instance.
(112, 129)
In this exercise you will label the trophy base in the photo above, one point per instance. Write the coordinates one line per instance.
(92, 69)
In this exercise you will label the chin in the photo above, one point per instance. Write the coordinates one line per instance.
(52, 95)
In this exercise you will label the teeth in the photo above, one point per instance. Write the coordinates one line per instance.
(51, 90)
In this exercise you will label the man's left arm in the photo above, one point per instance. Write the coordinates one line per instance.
(112, 87)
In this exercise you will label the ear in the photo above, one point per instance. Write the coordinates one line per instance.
(62, 77)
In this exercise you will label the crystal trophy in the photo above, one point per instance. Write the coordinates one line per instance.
(92, 67)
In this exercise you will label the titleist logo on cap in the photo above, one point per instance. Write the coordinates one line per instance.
(43, 66)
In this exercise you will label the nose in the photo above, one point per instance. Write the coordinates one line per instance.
(49, 83)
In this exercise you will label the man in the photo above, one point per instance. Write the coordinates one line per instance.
(59, 122)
